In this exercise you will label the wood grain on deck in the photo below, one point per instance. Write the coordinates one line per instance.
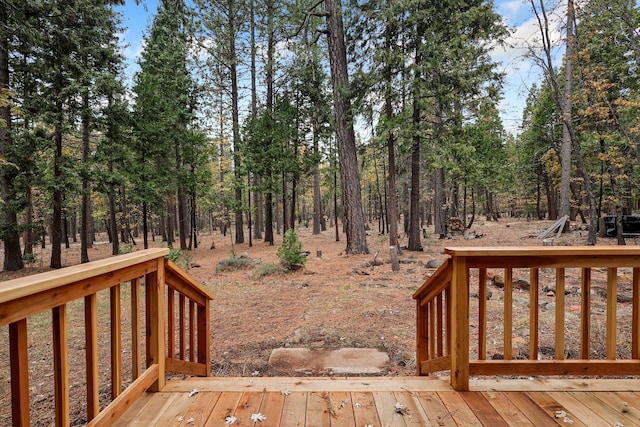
(385, 402)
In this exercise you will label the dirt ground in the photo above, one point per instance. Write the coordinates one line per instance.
(336, 301)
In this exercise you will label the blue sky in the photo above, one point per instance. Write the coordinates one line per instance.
(520, 73)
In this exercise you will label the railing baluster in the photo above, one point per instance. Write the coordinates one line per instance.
(60, 365)
(534, 306)
(136, 330)
(482, 314)
(204, 336)
(91, 351)
(148, 279)
(192, 330)
(508, 313)
(116, 342)
(433, 322)
(171, 324)
(182, 327)
(635, 328)
(449, 317)
(19, 356)
(440, 326)
(559, 341)
(612, 303)
(585, 315)
(422, 328)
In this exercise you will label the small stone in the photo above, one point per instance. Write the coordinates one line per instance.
(434, 263)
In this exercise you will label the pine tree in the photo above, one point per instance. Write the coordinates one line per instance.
(163, 115)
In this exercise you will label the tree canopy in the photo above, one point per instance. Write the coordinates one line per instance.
(270, 115)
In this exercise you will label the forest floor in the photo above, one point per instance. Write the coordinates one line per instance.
(335, 301)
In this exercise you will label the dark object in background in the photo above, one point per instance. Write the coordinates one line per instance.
(630, 225)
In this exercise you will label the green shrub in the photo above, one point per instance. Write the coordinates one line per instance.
(290, 253)
(125, 248)
(173, 255)
(266, 269)
(180, 258)
(233, 264)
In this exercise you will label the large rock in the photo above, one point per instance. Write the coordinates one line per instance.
(345, 361)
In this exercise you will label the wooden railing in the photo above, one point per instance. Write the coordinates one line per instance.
(444, 308)
(23, 298)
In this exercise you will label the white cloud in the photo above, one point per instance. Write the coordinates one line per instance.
(512, 9)
(515, 57)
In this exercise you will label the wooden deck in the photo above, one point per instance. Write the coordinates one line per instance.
(383, 401)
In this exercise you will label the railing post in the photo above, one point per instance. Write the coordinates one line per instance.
(155, 323)
(204, 337)
(421, 334)
(19, 373)
(60, 365)
(460, 327)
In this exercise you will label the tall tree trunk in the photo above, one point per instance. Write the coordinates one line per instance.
(237, 170)
(414, 207)
(194, 222)
(258, 202)
(285, 211)
(56, 218)
(345, 135)
(182, 219)
(561, 101)
(258, 223)
(392, 195)
(268, 218)
(86, 184)
(565, 181)
(10, 235)
(317, 204)
(27, 237)
(145, 225)
(113, 222)
(439, 220)
(171, 212)
(292, 204)
(269, 76)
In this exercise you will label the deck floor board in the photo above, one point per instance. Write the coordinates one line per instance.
(382, 402)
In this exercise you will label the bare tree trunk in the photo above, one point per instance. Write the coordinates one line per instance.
(268, 218)
(27, 237)
(182, 219)
(170, 220)
(113, 222)
(237, 170)
(392, 195)
(317, 206)
(12, 254)
(565, 181)
(56, 220)
(145, 226)
(86, 184)
(352, 195)
(439, 220)
(561, 102)
(258, 224)
(414, 207)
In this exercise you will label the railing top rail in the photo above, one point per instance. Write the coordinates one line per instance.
(193, 284)
(30, 285)
(439, 278)
(525, 251)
